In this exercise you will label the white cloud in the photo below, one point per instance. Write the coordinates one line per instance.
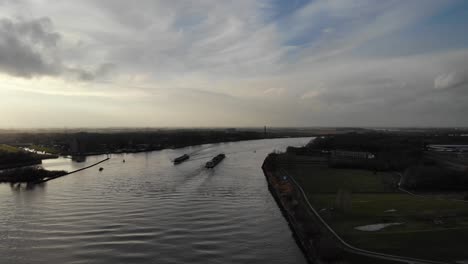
(301, 69)
(449, 80)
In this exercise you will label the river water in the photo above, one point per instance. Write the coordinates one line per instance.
(146, 210)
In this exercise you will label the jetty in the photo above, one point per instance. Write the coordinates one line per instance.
(71, 172)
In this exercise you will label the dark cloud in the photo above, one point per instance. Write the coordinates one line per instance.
(28, 48)
(321, 64)
(89, 75)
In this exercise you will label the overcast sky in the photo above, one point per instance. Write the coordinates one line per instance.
(233, 63)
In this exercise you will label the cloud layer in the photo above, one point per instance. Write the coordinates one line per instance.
(27, 48)
(235, 63)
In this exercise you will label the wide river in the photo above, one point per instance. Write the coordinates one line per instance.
(146, 210)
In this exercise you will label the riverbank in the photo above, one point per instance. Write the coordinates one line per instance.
(14, 157)
(308, 237)
(134, 141)
(34, 175)
(16, 165)
(28, 175)
(340, 203)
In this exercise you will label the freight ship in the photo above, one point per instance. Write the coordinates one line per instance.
(181, 159)
(212, 163)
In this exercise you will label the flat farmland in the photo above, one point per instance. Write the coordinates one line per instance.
(427, 228)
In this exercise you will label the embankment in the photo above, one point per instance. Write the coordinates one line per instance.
(307, 236)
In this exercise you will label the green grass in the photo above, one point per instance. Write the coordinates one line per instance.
(372, 195)
(443, 245)
(8, 148)
(325, 180)
(368, 205)
(359, 259)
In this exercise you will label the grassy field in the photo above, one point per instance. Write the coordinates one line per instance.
(431, 228)
(367, 205)
(321, 179)
(354, 258)
(8, 148)
(437, 244)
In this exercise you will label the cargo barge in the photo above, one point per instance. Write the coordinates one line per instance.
(181, 159)
(212, 163)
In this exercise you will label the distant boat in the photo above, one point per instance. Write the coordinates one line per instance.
(101, 169)
(212, 163)
(181, 159)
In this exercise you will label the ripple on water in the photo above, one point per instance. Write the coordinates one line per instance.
(148, 211)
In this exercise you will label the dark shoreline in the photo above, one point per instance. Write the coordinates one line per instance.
(30, 175)
(49, 175)
(71, 172)
(19, 165)
(299, 235)
(36, 161)
(176, 147)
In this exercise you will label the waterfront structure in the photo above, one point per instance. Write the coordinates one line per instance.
(77, 147)
(346, 154)
(348, 158)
